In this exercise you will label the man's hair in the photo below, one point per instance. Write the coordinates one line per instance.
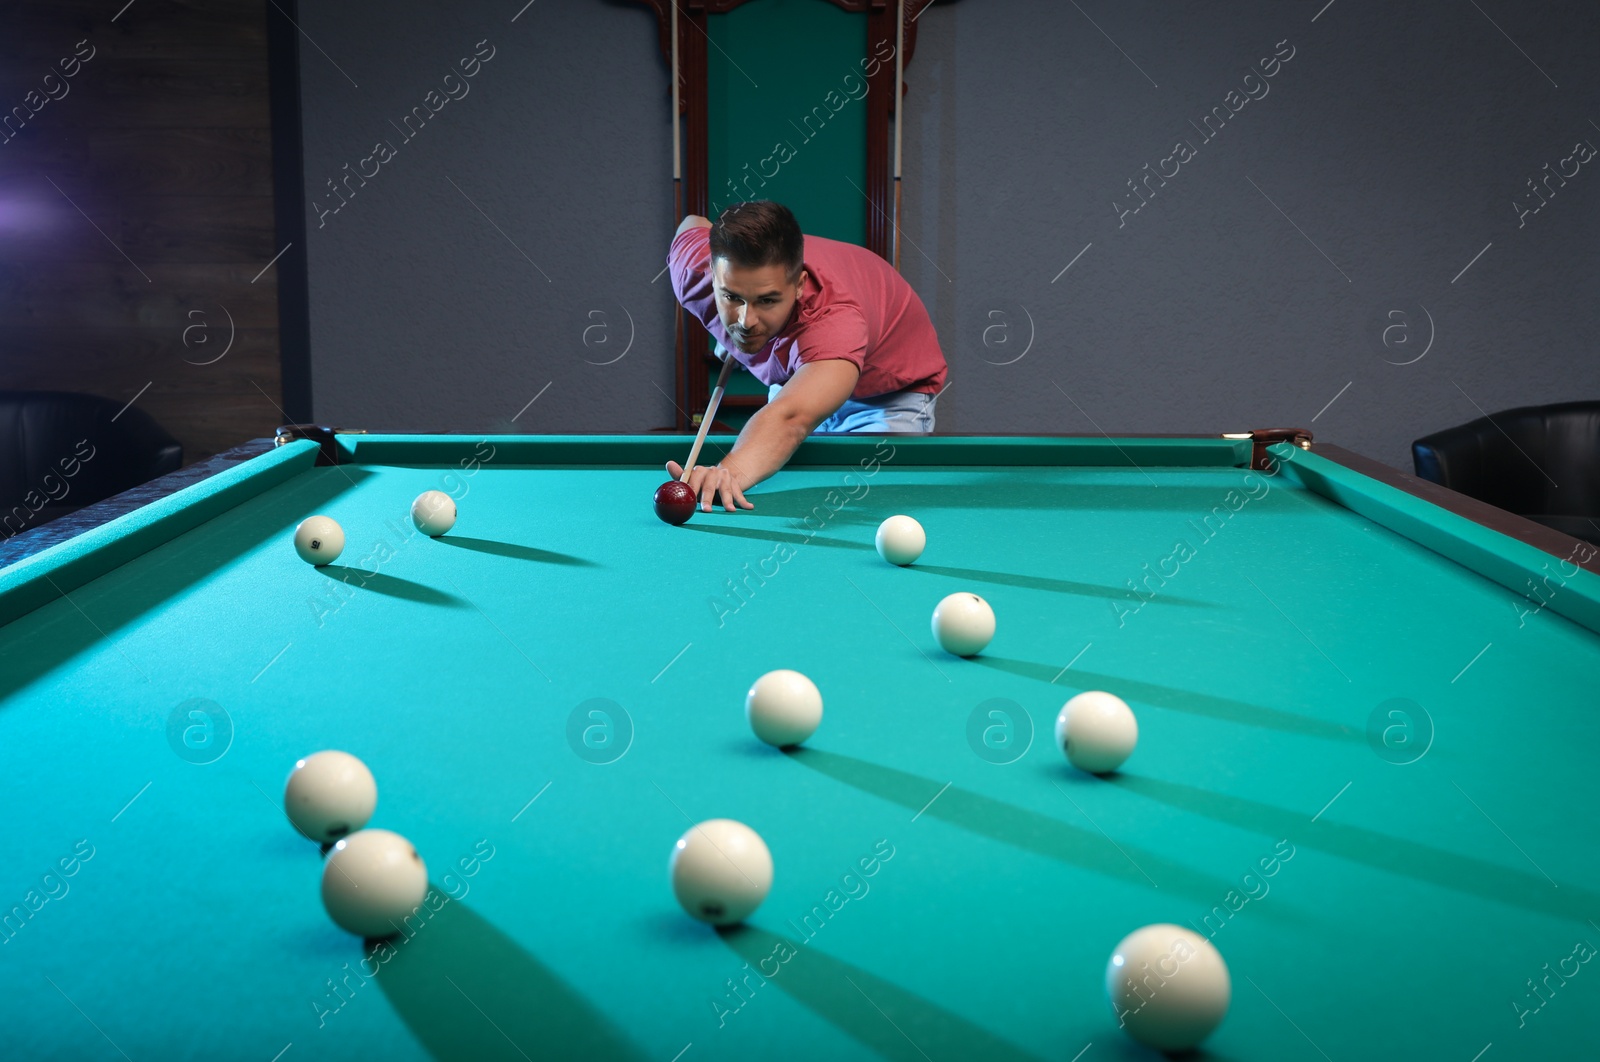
(759, 233)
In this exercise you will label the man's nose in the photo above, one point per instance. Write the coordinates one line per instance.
(744, 308)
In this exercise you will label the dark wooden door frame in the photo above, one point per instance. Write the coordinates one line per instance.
(693, 361)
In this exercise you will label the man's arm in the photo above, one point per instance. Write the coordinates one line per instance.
(777, 429)
(773, 434)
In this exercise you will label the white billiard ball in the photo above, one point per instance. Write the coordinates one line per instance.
(901, 540)
(434, 512)
(318, 540)
(1096, 731)
(963, 623)
(373, 880)
(329, 794)
(721, 871)
(1168, 987)
(783, 708)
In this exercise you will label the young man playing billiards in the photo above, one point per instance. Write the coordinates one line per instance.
(837, 335)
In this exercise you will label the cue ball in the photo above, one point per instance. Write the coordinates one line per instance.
(964, 624)
(1096, 731)
(434, 512)
(318, 540)
(901, 540)
(373, 881)
(674, 501)
(783, 708)
(329, 794)
(1168, 987)
(721, 871)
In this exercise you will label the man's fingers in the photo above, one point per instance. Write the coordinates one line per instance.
(712, 485)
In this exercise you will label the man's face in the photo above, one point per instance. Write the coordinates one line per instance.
(754, 304)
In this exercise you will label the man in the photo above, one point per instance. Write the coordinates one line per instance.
(839, 338)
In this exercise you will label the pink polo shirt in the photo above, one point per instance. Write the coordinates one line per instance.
(853, 306)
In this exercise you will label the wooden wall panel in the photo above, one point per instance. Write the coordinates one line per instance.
(194, 161)
(105, 295)
(159, 29)
(174, 93)
(125, 359)
(136, 214)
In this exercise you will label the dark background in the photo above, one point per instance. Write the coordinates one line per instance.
(136, 210)
(509, 250)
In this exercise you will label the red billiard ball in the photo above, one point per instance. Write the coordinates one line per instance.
(674, 501)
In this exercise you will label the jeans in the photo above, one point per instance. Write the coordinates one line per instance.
(898, 411)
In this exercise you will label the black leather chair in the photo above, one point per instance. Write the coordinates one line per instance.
(1541, 462)
(60, 451)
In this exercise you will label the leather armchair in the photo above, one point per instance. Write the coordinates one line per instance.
(60, 451)
(1541, 462)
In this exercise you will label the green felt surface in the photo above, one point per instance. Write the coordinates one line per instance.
(1418, 900)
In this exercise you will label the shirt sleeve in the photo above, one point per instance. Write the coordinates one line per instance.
(689, 260)
(838, 334)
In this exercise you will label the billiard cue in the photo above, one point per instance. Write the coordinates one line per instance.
(899, 118)
(677, 212)
(711, 412)
(677, 157)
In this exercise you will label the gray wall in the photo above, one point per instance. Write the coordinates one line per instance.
(1314, 242)
(506, 246)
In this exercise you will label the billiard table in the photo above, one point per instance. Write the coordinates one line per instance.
(1368, 729)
